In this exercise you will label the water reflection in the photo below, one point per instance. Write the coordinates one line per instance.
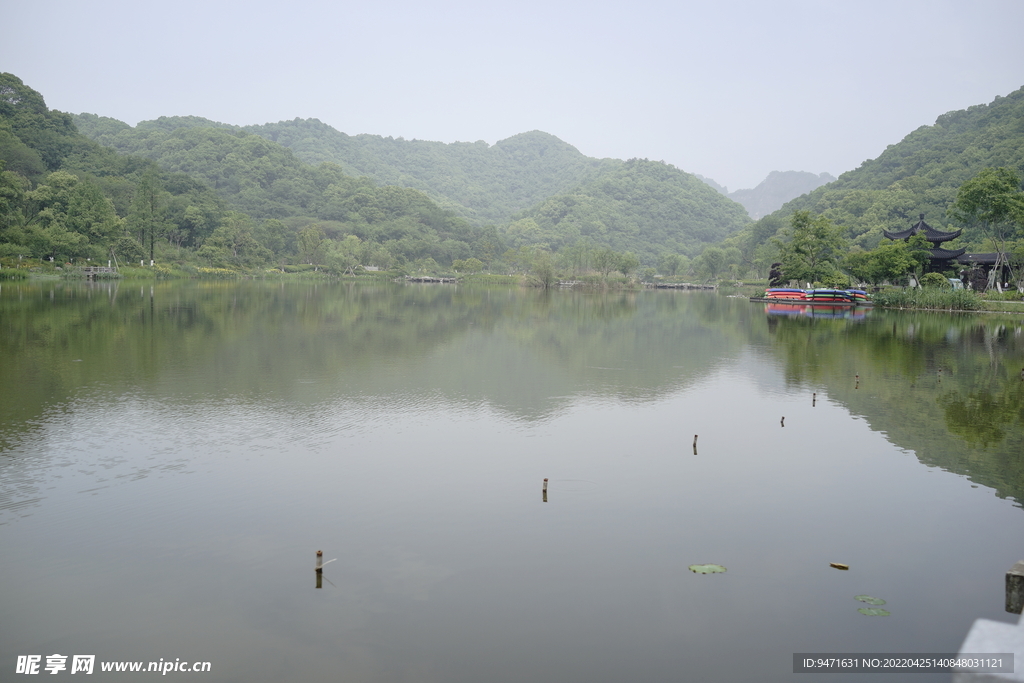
(941, 385)
(187, 446)
(820, 311)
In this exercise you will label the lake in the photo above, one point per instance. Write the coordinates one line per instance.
(172, 456)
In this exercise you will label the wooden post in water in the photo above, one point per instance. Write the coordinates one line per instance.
(695, 444)
(814, 399)
(319, 568)
(783, 421)
(1015, 588)
(544, 490)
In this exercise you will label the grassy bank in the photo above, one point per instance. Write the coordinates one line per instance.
(928, 299)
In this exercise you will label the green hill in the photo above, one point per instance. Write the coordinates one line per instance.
(552, 195)
(189, 190)
(641, 206)
(920, 174)
(483, 183)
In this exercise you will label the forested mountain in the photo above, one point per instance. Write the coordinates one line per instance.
(552, 195)
(483, 183)
(641, 206)
(777, 189)
(920, 174)
(224, 196)
(64, 196)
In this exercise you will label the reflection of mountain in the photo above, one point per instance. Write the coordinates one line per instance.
(946, 387)
(521, 352)
(298, 349)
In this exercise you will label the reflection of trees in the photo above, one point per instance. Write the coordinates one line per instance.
(520, 351)
(979, 417)
(945, 386)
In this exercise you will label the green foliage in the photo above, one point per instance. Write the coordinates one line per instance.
(935, 280)
(813, 250)
(49, 134)
(481, 183)
(993, 200)
(933, 299)
(233, 245)
(628, 263)
(712, 262)
(640, 206)
(544, 269)
(267, 181)
(890, 261)
(470, 265)
(834, 280)
(993, 197)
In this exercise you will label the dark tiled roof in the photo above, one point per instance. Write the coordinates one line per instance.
(931, 234)
(980, 259)
(903, 235)
(946, 253)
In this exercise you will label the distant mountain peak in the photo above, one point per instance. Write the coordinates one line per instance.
(778, 188)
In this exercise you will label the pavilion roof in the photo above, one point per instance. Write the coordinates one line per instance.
(980, 259)
(942, 254)
(931, 234)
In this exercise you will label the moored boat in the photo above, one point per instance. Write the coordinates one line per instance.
(781, 293)
(825, 296)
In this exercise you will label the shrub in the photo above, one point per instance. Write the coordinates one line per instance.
(935, 280)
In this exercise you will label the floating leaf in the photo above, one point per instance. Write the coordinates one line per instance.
(707, 568)
(874, 611)
(870, 600)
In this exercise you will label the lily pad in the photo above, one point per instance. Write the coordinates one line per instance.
(707, 568)
(870, 600)
(874, 611)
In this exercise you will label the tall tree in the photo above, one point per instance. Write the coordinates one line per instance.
(147, 213)
(814, 249)
(994, 201)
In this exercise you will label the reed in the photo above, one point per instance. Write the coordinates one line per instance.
(929, 298)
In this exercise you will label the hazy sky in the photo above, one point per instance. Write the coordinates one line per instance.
(729, 90)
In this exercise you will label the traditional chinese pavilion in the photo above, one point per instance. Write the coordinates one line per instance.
(941, 259)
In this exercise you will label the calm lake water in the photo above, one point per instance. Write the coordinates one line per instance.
(173, 455)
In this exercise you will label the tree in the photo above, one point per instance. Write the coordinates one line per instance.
(544, 268)
(628, 263)
(670, 264)
(890, 262)
(605, 260)
(233, 244)
(713, 261)
(344, 255)
(90, 213)
(311, 244)
(814, 249)
(993, 199)
(470, 265)
(147, 213)
(51, 232)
